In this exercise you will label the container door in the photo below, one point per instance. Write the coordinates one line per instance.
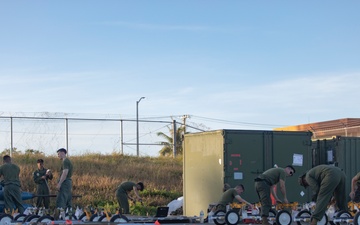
(293, 148)
(203, 171)
(347, 157)
(243, 160)
(323, 152)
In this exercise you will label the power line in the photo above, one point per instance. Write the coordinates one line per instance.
(235, 122)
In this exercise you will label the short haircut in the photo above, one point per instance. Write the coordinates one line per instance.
(242, 186)
(291, 167)
(62, 150)
(40, 161)
(6, 158)
(141, 186)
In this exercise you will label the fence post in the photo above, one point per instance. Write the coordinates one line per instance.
(11, 136)
(174, 138)
(67, 135)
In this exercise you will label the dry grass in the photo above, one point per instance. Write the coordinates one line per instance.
(96, 177)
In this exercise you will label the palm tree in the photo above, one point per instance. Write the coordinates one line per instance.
(168, 145)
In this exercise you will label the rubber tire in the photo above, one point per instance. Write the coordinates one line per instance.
(119, 219)
(343, 214)
(102, 219)
(5, 218)
(45, 219)
(27, 216)
(20, 218)
(31, 218)
(303, 214)
(272, 214)
(232, 217)
(67, 217)
(83, 218)
(218, 221)
(357, 218)
(324, 220)
(283, 217)
(94, 218)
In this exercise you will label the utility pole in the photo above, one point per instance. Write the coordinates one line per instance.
(137, 125)
(184, 117)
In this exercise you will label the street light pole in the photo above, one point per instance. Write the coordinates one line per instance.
(137, 125)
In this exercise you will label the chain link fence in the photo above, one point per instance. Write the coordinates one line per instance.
(80, 136)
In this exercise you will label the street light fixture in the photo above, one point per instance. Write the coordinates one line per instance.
(137, 125)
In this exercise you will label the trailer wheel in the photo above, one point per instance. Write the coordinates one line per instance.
(31, 218)
(119, 219)
(67, 217)
(5, 219)
(272, 213)
(94, 218)
(283, 217)
(219, 217)
(45, 219)
(357, 218)
(20, 217)
(103, 218)
(232, 217)
(324, 220)
(344, 215)
(83, 218)
(272, 216)
(304, 214)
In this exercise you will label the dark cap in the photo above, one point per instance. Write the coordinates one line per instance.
(62, 150)
(40, 161)
(141, 186)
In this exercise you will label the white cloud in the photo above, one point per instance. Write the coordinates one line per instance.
(281, 102)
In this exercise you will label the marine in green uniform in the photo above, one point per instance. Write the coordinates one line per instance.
(11, 182)
(64, 186)
(266, 183)
(41, 177)
(229, 196)
(355, 188)
(325, 181)
(122, 194)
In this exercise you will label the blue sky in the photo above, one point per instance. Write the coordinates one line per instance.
(227, 64)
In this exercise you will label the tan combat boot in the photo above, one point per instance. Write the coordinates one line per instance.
(265, 220)
(314, 221)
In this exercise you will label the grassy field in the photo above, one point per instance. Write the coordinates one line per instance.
(96, 178)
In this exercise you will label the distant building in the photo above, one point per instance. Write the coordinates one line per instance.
(348, 127)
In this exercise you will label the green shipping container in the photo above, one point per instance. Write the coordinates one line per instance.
(214, 158)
